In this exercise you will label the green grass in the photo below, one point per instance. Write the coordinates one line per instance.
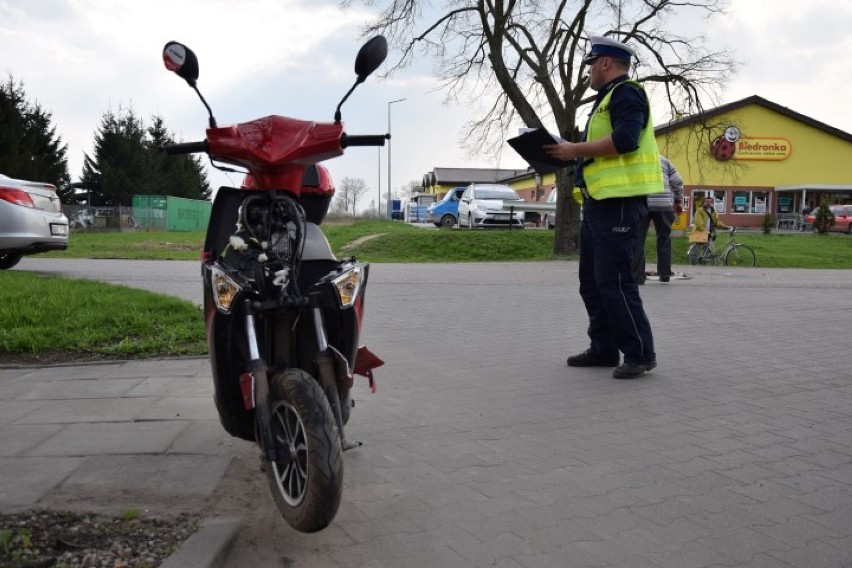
(399, 242)
(775, 250)
(47, 318)
(158, 245)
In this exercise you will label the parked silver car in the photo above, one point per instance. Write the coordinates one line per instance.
(31, 220)
(549, 218)
(481, 205)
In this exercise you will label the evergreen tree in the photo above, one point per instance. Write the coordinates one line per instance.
(823, 218)
(29, 146)
(127, 161)
(181, 176)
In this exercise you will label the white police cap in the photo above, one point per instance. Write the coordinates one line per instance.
(607, 47)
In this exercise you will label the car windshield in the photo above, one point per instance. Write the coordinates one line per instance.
(496, 193)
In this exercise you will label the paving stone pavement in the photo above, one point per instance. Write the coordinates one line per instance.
(483, 449)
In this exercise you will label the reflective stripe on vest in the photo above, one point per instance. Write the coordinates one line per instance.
(623, 175)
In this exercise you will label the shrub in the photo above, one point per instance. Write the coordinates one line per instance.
(768, 222)
(824, 218)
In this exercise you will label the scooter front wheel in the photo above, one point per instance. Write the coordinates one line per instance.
(307, 478)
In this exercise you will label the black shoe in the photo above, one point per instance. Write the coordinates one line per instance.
(589, 359)
(665, 278)
(632, 370)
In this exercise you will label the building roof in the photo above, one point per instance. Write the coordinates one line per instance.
(752, 100)
(465, 176)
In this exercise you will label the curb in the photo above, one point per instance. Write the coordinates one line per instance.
(208, 547)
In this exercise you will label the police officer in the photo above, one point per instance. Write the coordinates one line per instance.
(618, 166)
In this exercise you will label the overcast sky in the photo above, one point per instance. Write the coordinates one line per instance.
(80, 58)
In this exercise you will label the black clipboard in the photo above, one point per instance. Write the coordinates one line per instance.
(530, 145)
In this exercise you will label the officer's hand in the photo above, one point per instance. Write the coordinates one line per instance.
(678, 208)
(565, 151)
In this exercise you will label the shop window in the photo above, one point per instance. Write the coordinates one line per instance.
(785, 204)
(760, 202)
(751, 202)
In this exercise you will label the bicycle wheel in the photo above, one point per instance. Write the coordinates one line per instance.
(695, 254)
(740, 255)
(701, 253)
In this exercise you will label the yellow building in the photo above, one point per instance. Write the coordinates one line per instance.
(757, 157)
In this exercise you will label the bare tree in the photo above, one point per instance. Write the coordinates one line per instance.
(410, 189)
(350, 191)
(522, 60)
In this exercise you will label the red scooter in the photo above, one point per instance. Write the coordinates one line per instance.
(283, 313)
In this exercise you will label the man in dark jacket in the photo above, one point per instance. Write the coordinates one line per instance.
(662, 210)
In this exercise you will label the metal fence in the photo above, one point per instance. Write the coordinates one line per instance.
(149, 213)
(117, 218)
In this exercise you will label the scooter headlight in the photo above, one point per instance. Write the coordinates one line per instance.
(348, 285)
(225, 289)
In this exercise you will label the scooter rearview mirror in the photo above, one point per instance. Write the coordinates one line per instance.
(370, 56)
(182, 61)
(179, 58)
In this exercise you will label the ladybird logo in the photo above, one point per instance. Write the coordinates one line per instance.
(723, 147)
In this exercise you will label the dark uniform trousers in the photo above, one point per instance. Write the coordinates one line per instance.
(617, 319)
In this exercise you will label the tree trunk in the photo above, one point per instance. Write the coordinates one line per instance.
(566, 240)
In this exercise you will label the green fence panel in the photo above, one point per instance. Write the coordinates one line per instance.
(168, 213)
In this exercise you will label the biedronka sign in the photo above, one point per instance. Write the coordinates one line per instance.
(762, 149)
(733, 146)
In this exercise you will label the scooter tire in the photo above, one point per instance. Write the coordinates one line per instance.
(308, 489)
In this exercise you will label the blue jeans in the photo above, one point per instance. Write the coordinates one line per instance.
(617, 319)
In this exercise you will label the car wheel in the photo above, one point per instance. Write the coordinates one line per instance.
(448, 221)
(9, 260)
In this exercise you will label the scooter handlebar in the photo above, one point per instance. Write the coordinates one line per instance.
(347, 140)
(184, 148)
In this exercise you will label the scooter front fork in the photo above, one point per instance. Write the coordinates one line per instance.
(260, 372)
(327, 378)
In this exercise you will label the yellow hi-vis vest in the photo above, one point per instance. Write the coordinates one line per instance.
(623, 175)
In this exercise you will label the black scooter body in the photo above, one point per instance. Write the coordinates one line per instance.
(281, 346)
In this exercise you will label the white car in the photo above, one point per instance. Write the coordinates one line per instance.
(481, 205)
(549, 219)
(31, 220)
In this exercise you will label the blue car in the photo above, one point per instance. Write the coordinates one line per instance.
(445, 213)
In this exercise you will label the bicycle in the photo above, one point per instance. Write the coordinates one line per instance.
(732, 254)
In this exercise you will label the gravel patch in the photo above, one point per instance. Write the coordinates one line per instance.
(57, 539)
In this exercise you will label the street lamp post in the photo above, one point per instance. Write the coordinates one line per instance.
(379, 171)
(389, 155)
